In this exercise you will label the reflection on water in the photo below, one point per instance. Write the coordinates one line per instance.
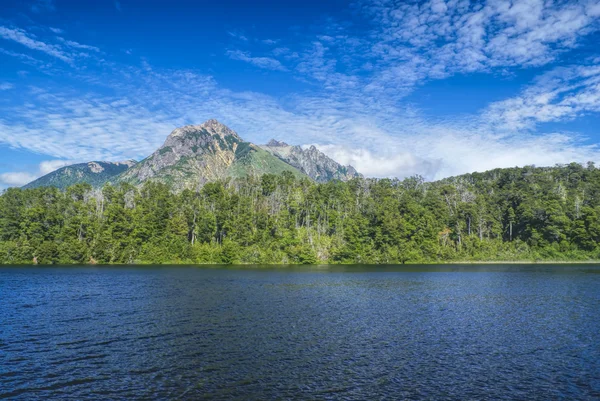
(416, 332)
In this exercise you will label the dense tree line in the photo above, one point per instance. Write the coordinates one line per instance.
(505, 214)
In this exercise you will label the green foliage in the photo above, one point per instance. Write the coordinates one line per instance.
(243, 149)
(500, 215)
(165, 149)
(252, 160)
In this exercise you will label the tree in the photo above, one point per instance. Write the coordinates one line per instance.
(503, 214)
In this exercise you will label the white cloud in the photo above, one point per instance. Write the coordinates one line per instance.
(378, 164)
(20, 178)
(6, 86)
(16, 179)
(237, 35)
(49, 166)
(379, 139)
(352, 113)
(261, 62)
(561, 94)
(64, 49)
(75, 45)
(438, 150)
(408, 43)
(45, 67)
(20, 36)
(593, 9)
(23, 57)
(280, 51)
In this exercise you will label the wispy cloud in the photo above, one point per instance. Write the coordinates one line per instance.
(238, 35)
(22, 37)
(6, 86)
(405, 44)
(76, 45)
(28, 60)
(85, 128)
(466, 36)
(561, 94)
(352, 107)
(378, 139)
(67, 50)
(267, 63)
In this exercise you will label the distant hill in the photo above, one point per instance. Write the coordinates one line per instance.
(95, 173)
(196, 154)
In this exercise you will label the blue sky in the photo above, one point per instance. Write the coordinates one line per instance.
(395, 88)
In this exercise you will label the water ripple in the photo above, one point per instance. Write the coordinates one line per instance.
(186, 333)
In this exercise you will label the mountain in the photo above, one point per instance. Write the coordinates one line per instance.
(95, 173)
(311, 162)
(196, 154)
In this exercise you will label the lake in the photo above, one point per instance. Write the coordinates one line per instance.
(359, 332)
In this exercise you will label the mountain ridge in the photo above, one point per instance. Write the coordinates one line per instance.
(311, 161)
(196, 154)
(193, 155)
(96, 173)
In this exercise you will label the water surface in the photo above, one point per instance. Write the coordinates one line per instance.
(422, 332)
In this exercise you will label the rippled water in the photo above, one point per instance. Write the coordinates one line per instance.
(514, 332)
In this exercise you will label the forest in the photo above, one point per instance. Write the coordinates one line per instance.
(512, 214)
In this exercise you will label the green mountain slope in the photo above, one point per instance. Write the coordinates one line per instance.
(94, 173)
(252, 160)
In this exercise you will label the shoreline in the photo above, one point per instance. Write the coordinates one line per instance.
(285, 265)
(526, 262)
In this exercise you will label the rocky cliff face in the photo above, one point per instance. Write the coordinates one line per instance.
(311, 161)
(195, 154)
(94, 173)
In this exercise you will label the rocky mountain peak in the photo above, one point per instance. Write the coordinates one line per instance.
(128, 163)
(196, 154)
(210, 127)
(95, 167)
(311, 161)
(214, 127)
(276, 144)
